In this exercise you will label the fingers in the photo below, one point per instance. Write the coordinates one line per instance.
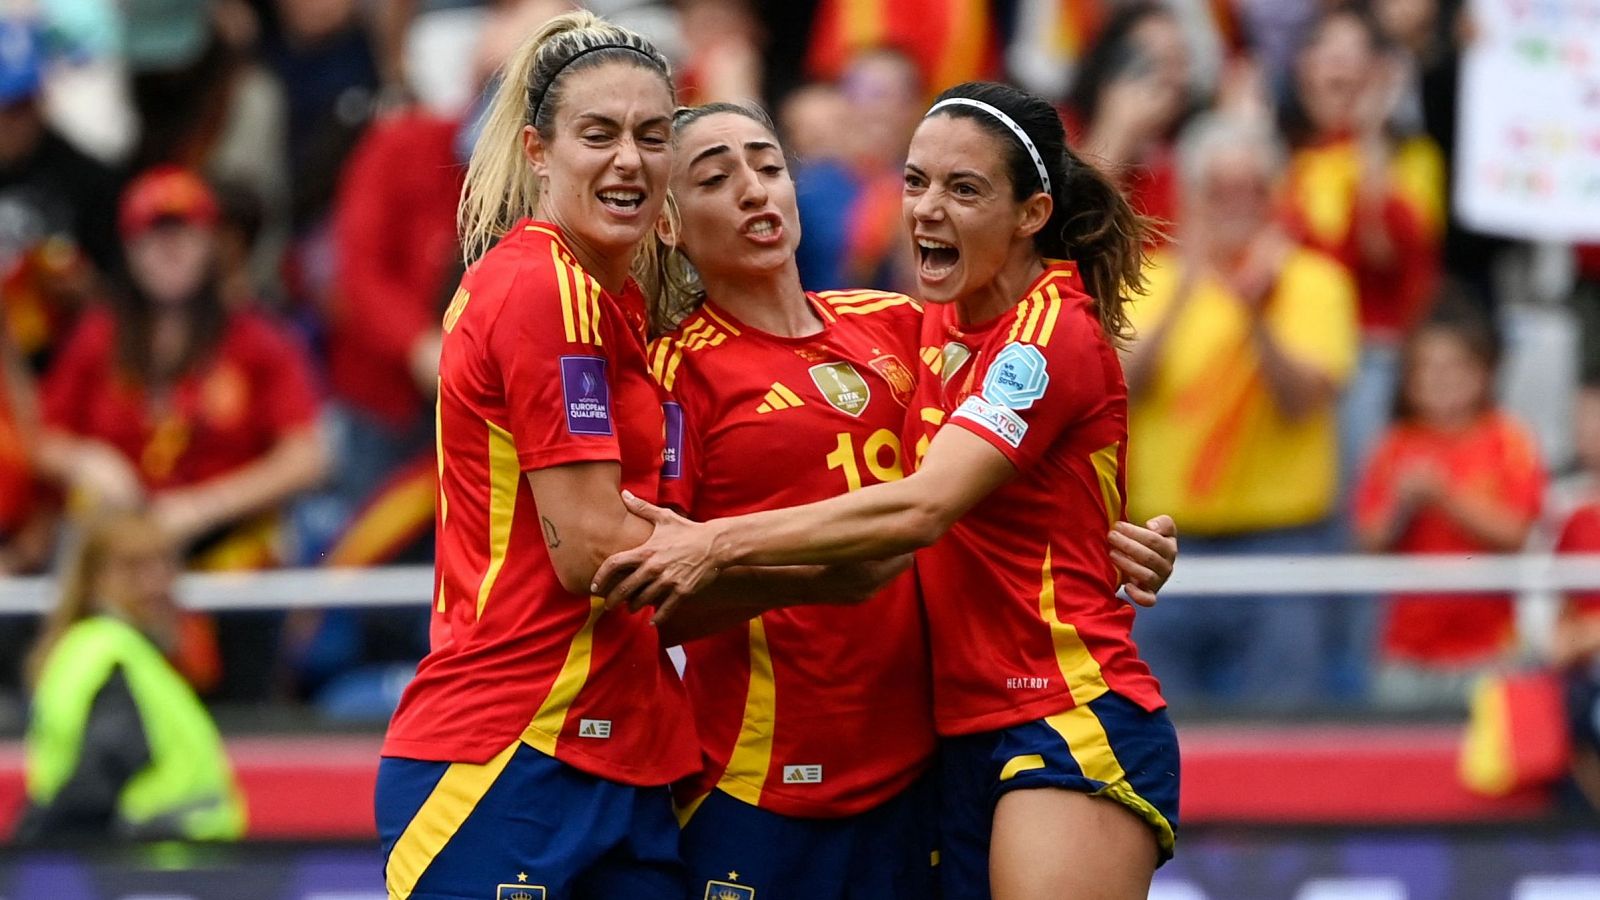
(1135, 574)
(667, 607)
(625, 587)
(1136, 551)
(1163, 525)
(644, 509)
(613, 569)
(1140, 596)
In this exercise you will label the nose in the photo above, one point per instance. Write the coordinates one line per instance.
(627, 159)
(752, 192)
(926, 207)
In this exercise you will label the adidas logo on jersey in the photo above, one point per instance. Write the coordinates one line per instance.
(594, 728)
(802, 774)
(779, 397)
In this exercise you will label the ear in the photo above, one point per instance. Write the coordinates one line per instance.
(1036, 212)
(665, 232)
(533, 150)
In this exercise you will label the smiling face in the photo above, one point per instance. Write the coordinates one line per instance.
(735, 198)
(961, 211)
(605, 163)
(1333, 73)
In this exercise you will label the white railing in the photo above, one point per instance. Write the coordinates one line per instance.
(1529, 574)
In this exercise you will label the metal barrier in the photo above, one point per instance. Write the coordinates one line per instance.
(1534, 573)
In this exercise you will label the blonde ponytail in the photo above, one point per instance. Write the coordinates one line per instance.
(501, 186)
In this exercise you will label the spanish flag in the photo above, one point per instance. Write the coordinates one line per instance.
(1516, 734)
(951, 40)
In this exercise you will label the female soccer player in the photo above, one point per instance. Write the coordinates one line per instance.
(1055, 731)
(530, 755)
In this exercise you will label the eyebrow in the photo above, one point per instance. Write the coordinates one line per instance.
(720, 149)
(609, 122)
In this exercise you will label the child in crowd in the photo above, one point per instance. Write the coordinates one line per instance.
(1577, 638)
(1453, 474)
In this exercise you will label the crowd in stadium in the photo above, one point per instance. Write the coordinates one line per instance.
(228, 235)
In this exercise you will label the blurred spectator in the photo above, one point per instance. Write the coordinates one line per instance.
(1452, 475)
(949, 41)
(325, 61)
(398, 264)
(210, 412)
(118, 745)
(851, 213)
(1244, 340)
(25, 522)
(810, 118)
(1371, 200)
(204, 105)
(723, 47)
(1577, 643)
(47, 187)
(1131, 96)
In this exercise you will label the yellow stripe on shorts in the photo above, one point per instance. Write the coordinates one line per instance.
(1086, 740)
(452, 800)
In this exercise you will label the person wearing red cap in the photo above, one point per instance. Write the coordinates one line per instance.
(169, 397)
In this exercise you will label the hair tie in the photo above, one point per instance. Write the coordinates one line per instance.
(1007, 121)
(537, 106)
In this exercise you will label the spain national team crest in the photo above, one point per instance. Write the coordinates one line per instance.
(900, 379)
(727, 890)
(842, 386)
(954, 355)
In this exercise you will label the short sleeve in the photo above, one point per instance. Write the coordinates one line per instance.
(548, 345)
(1522, 472)
(285, 385)
(1374, 494)
(76, 374)
(683, 419)
(1032, 391)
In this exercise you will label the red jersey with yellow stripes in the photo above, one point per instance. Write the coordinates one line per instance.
(540, 368)
(812, 710)
(1023, 616)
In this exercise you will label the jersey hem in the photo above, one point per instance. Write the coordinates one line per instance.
(811, 808)
(956, 726)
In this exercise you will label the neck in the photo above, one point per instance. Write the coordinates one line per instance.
(610, 269)
(771, 301)
(1005, 291)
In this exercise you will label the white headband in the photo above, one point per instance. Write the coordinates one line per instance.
(1027, 142)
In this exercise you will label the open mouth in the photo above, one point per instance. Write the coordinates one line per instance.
(936, 257)
(764, 229)
(622, 200)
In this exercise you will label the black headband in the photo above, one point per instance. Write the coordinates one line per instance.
(539, 104)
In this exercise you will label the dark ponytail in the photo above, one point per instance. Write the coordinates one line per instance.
(1091, 224)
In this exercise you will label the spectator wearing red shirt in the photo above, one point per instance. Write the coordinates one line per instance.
(1132, 93)
(168, 397)
(397, 265)
(1577, 643)
(1453, 475)
(1367, 196)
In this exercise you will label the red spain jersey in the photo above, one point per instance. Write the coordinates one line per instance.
(540, 368)
(813, 711)
(1021, 599)
(224, 413)
(1581, 534)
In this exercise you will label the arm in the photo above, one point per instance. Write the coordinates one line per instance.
(745, 592)
(584, 520)
(296, 462)
(1297, 389)
(1141, 362)
(876, 522)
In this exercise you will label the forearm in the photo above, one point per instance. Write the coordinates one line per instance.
(744, 592)
(1486, 520)
(884, 520)
(296, 463)
(1297, 389)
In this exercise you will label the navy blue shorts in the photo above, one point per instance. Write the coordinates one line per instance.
(735, 851)
(1110, 748)
(523, 827)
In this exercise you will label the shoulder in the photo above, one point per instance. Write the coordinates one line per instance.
(1517, 439)
(531, 274)
(701, 335)
(865, 302)
(1311, 277)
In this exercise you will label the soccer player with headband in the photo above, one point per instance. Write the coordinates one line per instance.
(1059, 770)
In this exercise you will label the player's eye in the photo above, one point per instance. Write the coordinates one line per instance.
(713, 180)
(772, 169)
(913, 182)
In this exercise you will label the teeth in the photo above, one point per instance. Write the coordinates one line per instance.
(622, 196)
(762, 228)
(930, 244)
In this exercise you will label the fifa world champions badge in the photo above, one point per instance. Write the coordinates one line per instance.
(519, 892)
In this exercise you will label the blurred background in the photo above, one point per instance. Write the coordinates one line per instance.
(1366, 383)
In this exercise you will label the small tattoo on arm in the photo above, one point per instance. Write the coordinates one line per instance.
(550, 536)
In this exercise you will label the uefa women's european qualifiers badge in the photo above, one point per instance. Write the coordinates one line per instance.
(587, 394)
